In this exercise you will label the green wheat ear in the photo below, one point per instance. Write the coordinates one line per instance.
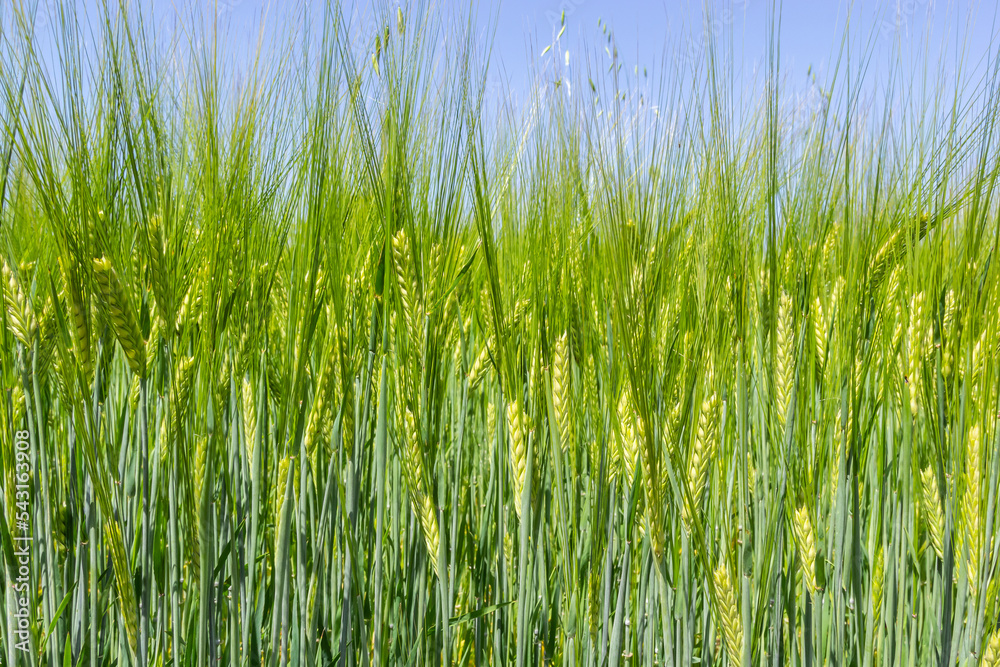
(19, 314)
(561, 393)
(805, 540)
(123, 583)
(402, 258)
(162, 289)
(248, 410)
(518, 449)
(284, 470)
(820, 331)
(948, 331)
(318, 413)
(413, 473)
(729, 614)
(478, 369)
(629, 445)
(991, 656)
(491, 425)
(917, 337)
(970, 505)
(931, 501)
(702, 454)
(79, 317)
(123, 318)
(785, 360)
(878, 586)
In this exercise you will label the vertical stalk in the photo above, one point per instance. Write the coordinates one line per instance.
(251, 620)
(41, 470)
(232, 486)
(145, 555)
(279, 626)
(381, 429)
(174, 552)
(523, 585)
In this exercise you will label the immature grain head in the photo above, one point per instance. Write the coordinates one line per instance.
(413, 476)
(805, 541)
(123, 581)
(402, 258)
(180, 396)
(970, 504)
(347, 379)
(785, 357)
(518, 449)
(888, 253)
(627, 439)
(152, 344)
(187, 310)
(162, 289)
(19, 313)
(980, 353)
(47, 335)
(508, 556)
(61, 528)
(916, 337)
(411, 453)
(491, 425)
(820, 330)
(651, 482)
(320, 409)
(841, 431)
(429, 525)
(878, 585)
(702, 455)
(484, 306)
(480, 364)
(674, 421)
(948, 331)
(434, 278)
(991, 655)
(163, 441)
(893, 306)
(79, 317)
(931, 504)
(123, 319)
(133, 393)
(728, 613)
(837, 294)
(534, 374)
(285, 470)
(830, 244)
(893, 284)
(248, 408)
(455, 343)
(561, 391)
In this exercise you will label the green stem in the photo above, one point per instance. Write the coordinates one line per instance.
(145, 555)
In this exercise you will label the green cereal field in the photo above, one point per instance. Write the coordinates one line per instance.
(342, 361)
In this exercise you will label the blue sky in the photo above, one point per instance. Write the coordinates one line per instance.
(810, 32)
